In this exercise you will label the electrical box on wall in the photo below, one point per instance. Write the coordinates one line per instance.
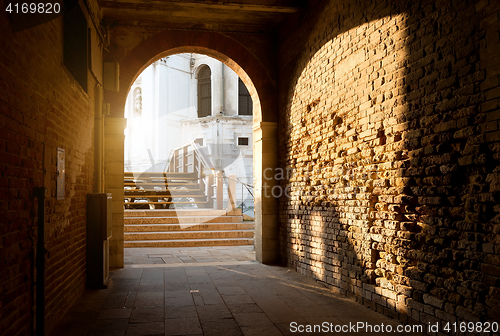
(61, 171)
(99, 221)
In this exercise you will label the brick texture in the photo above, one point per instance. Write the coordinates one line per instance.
(389, 123)
(41, 104)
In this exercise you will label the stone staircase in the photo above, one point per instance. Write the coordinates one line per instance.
(176, 207)
(186, 227)
(160, 190)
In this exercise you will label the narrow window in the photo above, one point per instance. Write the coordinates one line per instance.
(244, 99)
(204, 92)
(242, 141)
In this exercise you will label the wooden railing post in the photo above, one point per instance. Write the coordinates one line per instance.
(196, 167)
(210, 191)
(176, 160)
(171, 164)
(219, 190)
(231, 193)
(184, 159)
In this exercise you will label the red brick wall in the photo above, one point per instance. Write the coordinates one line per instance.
(389, 121)
(41, 103)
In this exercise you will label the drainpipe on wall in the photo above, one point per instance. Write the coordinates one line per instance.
(98, 140)
(39, 193)
(156, 117)
(222, 103)
(220, 152)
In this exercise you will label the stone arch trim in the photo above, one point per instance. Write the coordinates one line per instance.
(262, 88)
(226, 49)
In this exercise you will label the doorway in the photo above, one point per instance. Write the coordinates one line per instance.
(188, 163)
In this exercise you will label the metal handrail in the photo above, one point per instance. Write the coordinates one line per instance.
(243, 183)
(236, 179)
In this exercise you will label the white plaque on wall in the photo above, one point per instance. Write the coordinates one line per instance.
(60, 173)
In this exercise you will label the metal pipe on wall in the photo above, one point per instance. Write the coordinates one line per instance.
(220, 127)
(222, 97)
(98, 141)
(39, 193)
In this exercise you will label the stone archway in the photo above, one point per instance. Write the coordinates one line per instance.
(261, 84)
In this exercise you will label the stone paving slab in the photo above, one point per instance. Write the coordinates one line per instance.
(211, 291)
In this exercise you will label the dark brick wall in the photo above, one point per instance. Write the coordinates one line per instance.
(41, 103)
(388, 118)
(389, 121)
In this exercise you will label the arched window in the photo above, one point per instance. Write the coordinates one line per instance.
(245, 105)
(137, 102)
(204, 92)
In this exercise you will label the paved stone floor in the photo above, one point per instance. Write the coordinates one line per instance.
(211, 291)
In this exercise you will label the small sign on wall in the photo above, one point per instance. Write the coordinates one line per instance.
(60, 173)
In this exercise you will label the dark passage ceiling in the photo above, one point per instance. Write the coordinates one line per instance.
(249, 16)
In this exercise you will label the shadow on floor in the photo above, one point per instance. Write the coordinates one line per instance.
(213, 291)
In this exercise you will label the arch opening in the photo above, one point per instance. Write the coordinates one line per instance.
(262, 88)
(247, 82)
(183, 131)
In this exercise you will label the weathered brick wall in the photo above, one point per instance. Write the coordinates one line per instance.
(389, 127)
(41, 103)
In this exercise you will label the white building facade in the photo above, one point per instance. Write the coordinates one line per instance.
(191, 97)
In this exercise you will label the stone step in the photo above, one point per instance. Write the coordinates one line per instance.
(173, 212)
(186, 227)
(141, 175)
(190, 227)
(170, 184)
(161, 194)
(185, 235)
(189, 243)
(161, 202)
(182, 220)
